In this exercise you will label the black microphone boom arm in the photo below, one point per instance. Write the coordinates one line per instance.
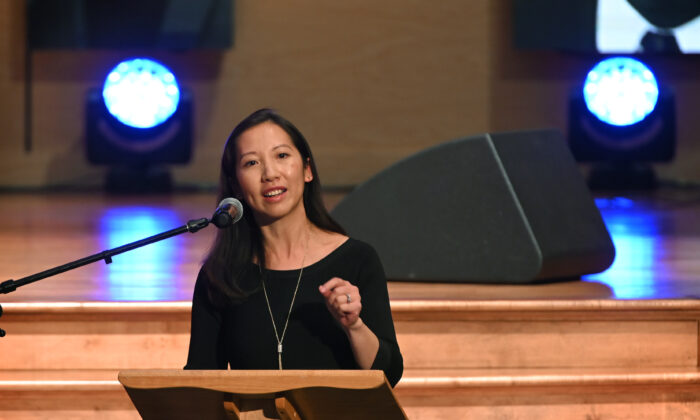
(11, 285)
(191, 226)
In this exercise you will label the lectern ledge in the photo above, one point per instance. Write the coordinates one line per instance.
(261, 394)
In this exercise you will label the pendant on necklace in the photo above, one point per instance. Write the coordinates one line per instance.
(279, 355)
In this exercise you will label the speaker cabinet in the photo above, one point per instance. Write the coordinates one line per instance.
(495, 208)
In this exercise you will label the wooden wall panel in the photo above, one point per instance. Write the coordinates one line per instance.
(368, 82)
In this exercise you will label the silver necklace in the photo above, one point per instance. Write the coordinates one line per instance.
(272, 318)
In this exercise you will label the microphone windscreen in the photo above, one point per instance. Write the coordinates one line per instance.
(233, 207)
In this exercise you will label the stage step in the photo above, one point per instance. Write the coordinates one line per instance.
(63, 394)
(670, 393)
(432, 334)
(587, 393)
(95, 335)
(548, 333)
(463, 359)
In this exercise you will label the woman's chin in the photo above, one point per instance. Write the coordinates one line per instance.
(275, 213)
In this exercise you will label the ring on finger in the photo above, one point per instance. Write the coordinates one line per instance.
(348, 296)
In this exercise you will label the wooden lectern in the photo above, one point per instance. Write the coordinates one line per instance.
(261, 394)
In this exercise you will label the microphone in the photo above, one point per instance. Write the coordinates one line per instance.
(229, 212)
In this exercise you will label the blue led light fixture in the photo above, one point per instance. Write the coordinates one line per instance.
(620, 91)
(141, 93)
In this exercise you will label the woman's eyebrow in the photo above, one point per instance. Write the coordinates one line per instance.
(246, 153)
(282, 145)
(252, 152)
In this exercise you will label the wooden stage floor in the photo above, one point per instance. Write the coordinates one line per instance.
(657, 237)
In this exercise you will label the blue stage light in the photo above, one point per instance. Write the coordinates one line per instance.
(141, 93)
(620, 91)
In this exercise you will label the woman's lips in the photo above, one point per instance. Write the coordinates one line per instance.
(274, 194)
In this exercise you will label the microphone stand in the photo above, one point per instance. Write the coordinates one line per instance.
(192, 226)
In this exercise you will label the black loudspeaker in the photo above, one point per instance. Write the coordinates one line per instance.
(494, 208)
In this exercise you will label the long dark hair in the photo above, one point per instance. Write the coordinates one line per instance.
(236, 247)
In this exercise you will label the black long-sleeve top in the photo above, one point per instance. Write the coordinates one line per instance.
(241, 335)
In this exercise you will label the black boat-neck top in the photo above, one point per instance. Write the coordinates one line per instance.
(241, 335)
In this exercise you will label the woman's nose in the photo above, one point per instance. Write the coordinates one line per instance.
(270, 172)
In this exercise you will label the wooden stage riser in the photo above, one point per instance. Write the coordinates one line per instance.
(600, 403)
(65, 405)
(539, 406)
(160, 340)
(96, 342)
(513, 344)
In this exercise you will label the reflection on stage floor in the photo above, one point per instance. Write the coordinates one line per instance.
(657, 240)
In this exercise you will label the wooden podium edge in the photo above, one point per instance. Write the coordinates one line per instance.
(257, 381)
(293, 394)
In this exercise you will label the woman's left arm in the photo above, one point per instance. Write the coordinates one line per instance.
(343, 300)
(365, 315)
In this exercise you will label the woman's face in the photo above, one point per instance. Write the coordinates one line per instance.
(271, 172)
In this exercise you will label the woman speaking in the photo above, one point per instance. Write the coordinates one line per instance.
(285, 288)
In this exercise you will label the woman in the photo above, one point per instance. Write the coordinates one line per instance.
(285, 287)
